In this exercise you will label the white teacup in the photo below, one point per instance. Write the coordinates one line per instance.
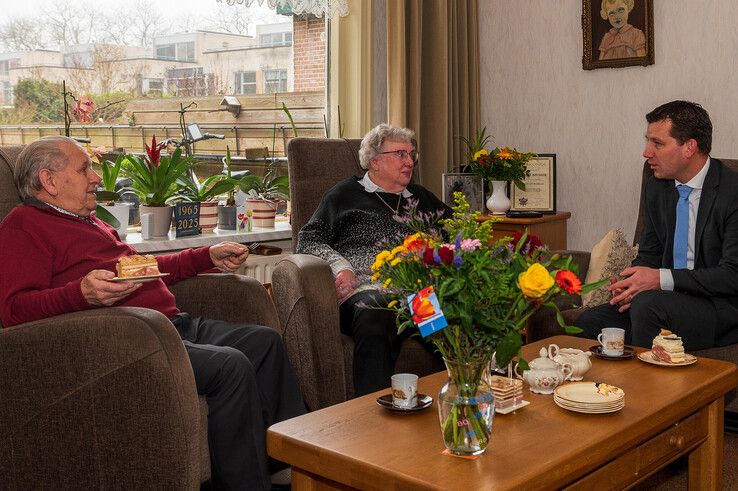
(404, 390)
(612, 340)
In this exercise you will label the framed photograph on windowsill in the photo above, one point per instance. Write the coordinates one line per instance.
(540, 186)
(468, 185)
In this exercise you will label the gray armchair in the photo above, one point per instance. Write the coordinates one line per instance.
(106, 398)
(544, 324)
(304, 289)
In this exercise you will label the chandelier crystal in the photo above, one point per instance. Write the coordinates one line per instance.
(318, 8)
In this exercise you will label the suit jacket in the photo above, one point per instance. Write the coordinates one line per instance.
(715, 273)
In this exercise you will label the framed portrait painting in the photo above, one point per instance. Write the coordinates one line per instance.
(617, 33)
(466, 184)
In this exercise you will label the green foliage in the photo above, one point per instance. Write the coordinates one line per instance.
(44, 97)
(269, 187)
(155, 183)
(111, 105)
(207, 190)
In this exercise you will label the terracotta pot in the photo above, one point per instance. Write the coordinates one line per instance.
(208, 216)
(264, 212)
(162, 219)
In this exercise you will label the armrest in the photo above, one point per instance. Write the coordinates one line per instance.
(226, 297)
(99, 399)
(305, 296)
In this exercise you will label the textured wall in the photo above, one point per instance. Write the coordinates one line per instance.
(536, 97)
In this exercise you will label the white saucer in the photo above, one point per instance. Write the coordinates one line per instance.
(510, 409)
(140, 279)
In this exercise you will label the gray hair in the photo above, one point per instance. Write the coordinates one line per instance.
(371, 145)
(45, 153)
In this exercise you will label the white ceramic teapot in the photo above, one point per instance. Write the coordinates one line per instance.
(578, 359)
(544, 374)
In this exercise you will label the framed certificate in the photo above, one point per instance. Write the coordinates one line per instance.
(540, 187)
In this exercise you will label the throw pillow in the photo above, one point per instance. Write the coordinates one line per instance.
(610, 257)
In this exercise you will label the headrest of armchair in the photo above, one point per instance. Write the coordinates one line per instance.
(9, 197)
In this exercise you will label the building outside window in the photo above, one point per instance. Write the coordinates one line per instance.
(275, 81)
(176, 51)
(245, 82)
(80, 59)
(8, 99)
(152, 86)
(275, 39)
(187, 82)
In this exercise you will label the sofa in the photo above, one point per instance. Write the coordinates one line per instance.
(543, 324)
(106, 398)
(304, 288)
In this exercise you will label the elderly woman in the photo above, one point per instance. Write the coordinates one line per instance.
(345, 230)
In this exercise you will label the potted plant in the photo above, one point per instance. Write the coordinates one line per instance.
(264, 194)
(154, 179)
(205, 192)
(109, 198)
(227, 211)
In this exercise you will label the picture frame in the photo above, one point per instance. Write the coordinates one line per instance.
(540, 186)
(466, 183)
(603, 37)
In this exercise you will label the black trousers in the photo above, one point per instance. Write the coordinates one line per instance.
(376, 342)
(248, 382)
(694, 319)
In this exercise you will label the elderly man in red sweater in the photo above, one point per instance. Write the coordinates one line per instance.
(56, 257)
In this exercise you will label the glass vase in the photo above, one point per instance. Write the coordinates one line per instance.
(466, 408)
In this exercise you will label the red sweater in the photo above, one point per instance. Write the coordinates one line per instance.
(45, 254)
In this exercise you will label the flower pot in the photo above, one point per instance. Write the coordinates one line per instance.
(208, 216)
(466, 408)
(120, 211)
(162, 219)
(263, 212)
(226, 217)
(498, 203)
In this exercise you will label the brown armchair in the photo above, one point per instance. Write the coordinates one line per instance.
(106, 398)
(304, 289)
(544, 324)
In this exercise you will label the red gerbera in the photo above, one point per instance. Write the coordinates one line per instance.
(569, 281)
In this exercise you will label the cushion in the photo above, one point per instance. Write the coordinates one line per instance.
(610, 257)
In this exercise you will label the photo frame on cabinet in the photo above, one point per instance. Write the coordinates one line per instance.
(540, 186)
(468, 185)
(617, 33)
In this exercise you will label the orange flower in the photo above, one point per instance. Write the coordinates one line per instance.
(505, 154)
(568, 281)
(416, 242)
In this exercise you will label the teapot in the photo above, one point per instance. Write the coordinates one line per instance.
(578, 359)
(545, 374)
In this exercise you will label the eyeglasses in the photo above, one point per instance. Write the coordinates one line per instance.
(403, 154)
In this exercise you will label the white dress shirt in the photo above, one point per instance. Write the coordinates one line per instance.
(371, 187)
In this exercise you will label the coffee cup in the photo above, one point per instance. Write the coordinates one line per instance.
(404, 390)
(612, 340)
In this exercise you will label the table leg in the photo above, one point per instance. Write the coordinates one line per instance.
(706, 461)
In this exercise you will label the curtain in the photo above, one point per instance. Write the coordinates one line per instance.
(433, 79)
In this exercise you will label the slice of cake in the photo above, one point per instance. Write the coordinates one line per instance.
(135, 266)
(668, 347)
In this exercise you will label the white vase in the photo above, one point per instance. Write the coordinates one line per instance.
(498, 203)
(121, 212)
(162, 218)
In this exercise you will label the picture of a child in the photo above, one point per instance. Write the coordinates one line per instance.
(622, 40)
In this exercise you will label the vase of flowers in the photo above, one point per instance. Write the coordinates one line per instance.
(476, 293)
(498, 167)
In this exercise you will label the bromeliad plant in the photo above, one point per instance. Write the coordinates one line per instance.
(154, 175)
(499, 164)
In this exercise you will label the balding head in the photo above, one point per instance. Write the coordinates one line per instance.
(45, 153)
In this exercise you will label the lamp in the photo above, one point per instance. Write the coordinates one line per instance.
(231, 105)
(318, 8)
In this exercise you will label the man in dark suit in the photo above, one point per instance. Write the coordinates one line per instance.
(685, 276)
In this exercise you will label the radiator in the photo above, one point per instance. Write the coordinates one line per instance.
(260, 267)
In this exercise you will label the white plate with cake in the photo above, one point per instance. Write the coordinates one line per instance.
(137, 269)
(667, 351)
(139, 279)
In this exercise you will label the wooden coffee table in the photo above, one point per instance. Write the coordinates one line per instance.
(669, 412)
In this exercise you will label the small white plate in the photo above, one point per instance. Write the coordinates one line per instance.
(649, 357)
(140, 279)
(424, 401)
(588, 393)
(510, 409)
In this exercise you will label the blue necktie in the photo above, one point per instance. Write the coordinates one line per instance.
(681, 233)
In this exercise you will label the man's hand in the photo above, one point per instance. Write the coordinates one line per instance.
(345, 284)
(228, 256)
(636, 279)
(97, 290)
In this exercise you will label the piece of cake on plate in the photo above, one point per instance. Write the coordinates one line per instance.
(668, 347)
(137, 266)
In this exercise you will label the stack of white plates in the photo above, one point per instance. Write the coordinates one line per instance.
(590, 397)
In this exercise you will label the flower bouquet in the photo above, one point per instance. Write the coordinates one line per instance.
(499, 164)
(476, 294)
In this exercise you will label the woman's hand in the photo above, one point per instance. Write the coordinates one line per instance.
(345, 284)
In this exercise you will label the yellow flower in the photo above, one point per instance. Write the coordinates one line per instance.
(535, 282)
(392, 304)
(387, 282)
(375, 276)
(382, 257)
(480, 153)
(398, 250)
(396, 261)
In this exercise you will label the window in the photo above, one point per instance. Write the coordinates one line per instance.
(275, 81)
(188, 82)
(81, 59)
(6, 65)
(152, 86)
(275, 39)
(176, 51)
(245, 83)
(7, 94)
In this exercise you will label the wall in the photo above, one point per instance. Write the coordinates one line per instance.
(309, 38)
(536, 97)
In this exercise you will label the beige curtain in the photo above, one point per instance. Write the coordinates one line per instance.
(433, 79)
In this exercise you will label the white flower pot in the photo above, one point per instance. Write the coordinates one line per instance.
(162, 218)
(121, 212)
(263, 212)
(498, 203)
